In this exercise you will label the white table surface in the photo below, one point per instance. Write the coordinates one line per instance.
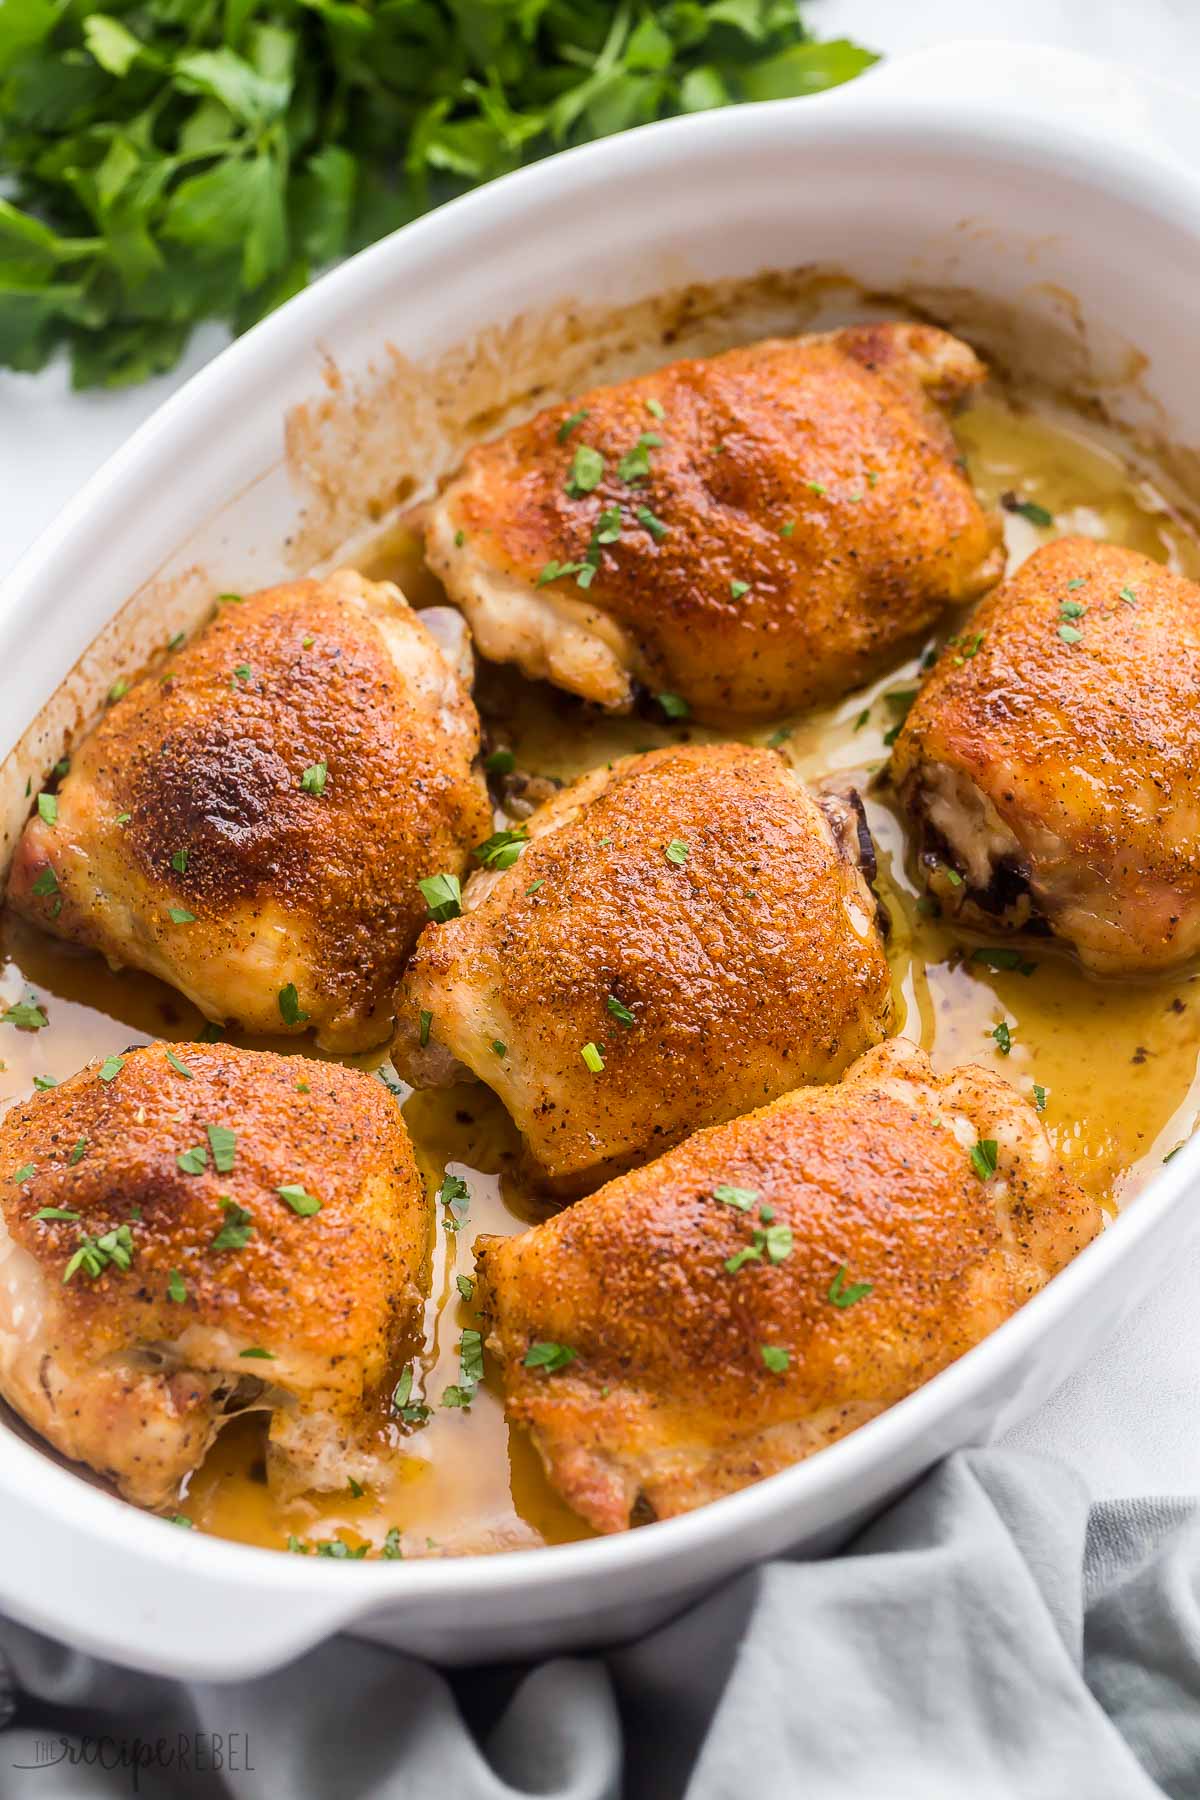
(1131, 1422)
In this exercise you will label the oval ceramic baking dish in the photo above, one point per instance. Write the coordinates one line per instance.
(1052, 196)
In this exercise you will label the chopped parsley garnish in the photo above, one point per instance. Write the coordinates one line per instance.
(779, 737)
(465, 1286)
(842, 1294)
(775, 1358)
(676, 852)
(179, 915)
(674, 706)
(570, 423)
(443, 896)
(46, 883)
(952, 875)
(47, 805)
(587, 471)
(455, 1196)
(502, 849)
(742, 1198)
(176, 1289)
(289, 1005)
(122, 818)
(314, 778)
(967, 647)
(1003, 1037)
(1028, 509)
(182, 1520)
(180, 1068)
(118, 691)
(242, 672)
(1078, 582)
(78, 1152)
(177, 642)
(300, 1201)
(500, 1047)
(470, 1365)
(94, 1255)
(1072, 609)
(1039, 1096)
(550, 1357)
(862, 718)
(411, 1411)
(258, 1351)
(230, 600)
(652, 523)
(391, 1551)
(1070, 634)
(984, 1156)
(237, 1230)
(426, 1022)
(786, 530)
(554, 570)
(179, 862)
(357, 1490)
(655, 409)
(535, 885)
(1003, 958)
(23, 1174)
(592, 1058)
(49, 1212)
(634, 466)
(43, 1082)
(619, 1011)
(500, 762)
(193, 1161)
(775, 1242)
(738, 588)
(213, 1033)
(223, 1144)
(26, 1015)
(111, 1067)
(1129, 596)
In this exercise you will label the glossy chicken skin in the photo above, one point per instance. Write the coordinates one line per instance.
(131, 1363)
(1052, 759)
(877, 1256)
(691, 918)
(799, 516)
(256, 817)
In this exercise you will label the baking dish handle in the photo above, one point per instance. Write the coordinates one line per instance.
(1064, 87)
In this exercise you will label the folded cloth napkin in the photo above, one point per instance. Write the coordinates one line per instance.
(991, 1635)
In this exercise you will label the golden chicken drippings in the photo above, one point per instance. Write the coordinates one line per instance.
(755, 532)
(683, 937)
(251, 822)
(1051, 761)
(190, 1233)
(774, 1282)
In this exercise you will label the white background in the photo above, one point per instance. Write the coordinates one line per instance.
(1131, 1422)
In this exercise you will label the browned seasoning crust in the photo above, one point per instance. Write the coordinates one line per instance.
(750, 966)
(287, 886)
(668, 1402)
(1052, 758)
(842, 439)
(116, 1372)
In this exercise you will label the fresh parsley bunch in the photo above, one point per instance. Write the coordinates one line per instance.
(169, 161)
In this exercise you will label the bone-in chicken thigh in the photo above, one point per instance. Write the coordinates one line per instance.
(775, 1282)
(192, 1231)
(681, 936)
(251, 823)
(753, 532)
(1051, 762)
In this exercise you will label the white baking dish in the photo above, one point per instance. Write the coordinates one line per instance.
(1063, 193)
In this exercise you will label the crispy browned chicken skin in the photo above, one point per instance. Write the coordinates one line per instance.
(1052, 759)
(877, 1256)
(132, 1363)
(692, 918)
(802, 517)
(188, 844)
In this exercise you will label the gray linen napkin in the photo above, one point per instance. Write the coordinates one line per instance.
(990, 1635)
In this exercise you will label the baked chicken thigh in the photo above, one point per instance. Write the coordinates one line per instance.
(753, 532)
(773, 1283)
(674, 939)
(1051, 762)
(194, 1231)
(252, 823)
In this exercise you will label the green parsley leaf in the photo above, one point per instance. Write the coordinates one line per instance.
(1003, 1036)
(620, 1011)
(742, 1198)
(176, 1290)
(26, 1015)
(1039, 1096)
(118, 691)
(300, 1201)
(775, 1359)
(78, 1152)
(179, 862)
(177, 642)
(499, 1047)
(111, 1067)
(842, 1295)
(786, 529)
(47, 1212)
(46, 883)
(426, 1022)
(182, 1520)
(113, 1248)
(674, 706)
(237, 1230)
(193, 1161)
(411, 1411)
(443, 896)
(1129, 596)
(1070, 634)
(587, 471)
(223, 1144)
(1028, 509)
(676, 852)
(47, 805)
(465, 1286)
(290, 1010)
(500, 762)
(1003, 958)
(455, 1196)
(592, 1058)
(391, 1551)
(180, 1068)
(503, 848)
(179, 915)
(570, 423)
(44, 1082)
(23, 1174)
(242, 672)
(548, 1356)
(257, 1351)
(738, 588)
(314, 778)
(655, 409)
(984, 1156)
(357, 1490)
